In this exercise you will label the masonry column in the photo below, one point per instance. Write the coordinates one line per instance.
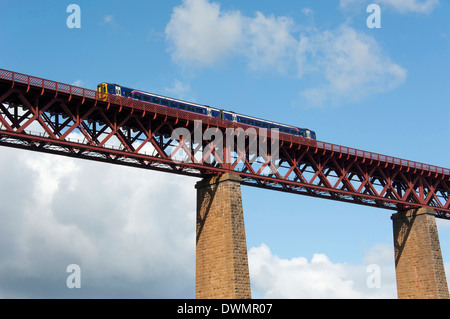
(221, 265)
(418, 259)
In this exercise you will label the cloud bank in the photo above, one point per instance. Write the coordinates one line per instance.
(320, 278)
(132, 232)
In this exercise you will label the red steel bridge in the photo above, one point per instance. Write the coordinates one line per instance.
(51, 117)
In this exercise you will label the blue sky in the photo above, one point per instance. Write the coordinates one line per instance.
(305, 63)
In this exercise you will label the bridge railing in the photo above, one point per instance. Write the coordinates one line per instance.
(382, 158)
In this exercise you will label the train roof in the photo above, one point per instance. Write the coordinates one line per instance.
(203, 105)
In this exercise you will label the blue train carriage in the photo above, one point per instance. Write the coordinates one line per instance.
(288, 129)
(169, 102)
(114, 89)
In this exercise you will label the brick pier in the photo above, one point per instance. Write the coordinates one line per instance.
(221, 250)
(418, 259)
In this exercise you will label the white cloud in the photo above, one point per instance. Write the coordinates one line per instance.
(352, 65)
(349, 64)
(201, 34)
(298, 278)
(270, 42)
(179, 90)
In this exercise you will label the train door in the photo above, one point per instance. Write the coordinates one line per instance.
(101, 88)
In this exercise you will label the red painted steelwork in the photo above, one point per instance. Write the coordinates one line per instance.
(82, 123)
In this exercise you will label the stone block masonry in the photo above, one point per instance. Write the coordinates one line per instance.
(221, 249)
(418, 260)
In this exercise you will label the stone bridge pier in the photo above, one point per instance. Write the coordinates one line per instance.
(418, 260)
(221, 251)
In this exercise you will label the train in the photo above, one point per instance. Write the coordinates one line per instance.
(115, 89)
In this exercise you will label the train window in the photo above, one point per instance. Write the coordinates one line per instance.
(228, 117)
(147, 98)
(111, 90)
(165, 102)
(174, 104)
(127, 94)
(200, 110)
(182, 106)
(215, 114)
(136, 96)
(156, 100)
